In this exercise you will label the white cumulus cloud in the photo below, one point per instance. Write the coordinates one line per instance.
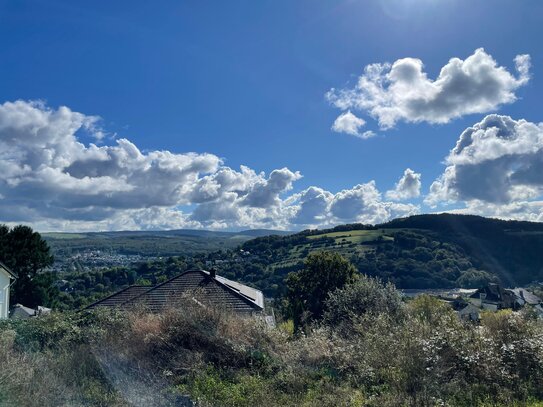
(52, 180)
(265, 193)
(348, 123)
(496, 168)
(498, 160)
(531, 211)
(46, 167)
(313, 206)
(402, 91)
(362, 203)
(407, 187)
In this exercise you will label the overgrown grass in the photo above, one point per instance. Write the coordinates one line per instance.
(417, 354)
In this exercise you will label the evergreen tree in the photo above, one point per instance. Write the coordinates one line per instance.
(28, 254)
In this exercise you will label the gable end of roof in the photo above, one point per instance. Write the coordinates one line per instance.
(7, 270)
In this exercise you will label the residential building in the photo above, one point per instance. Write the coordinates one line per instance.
(6, 279)
(204, 287)
(493, 297)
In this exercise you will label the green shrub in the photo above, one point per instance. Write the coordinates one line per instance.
(369, 350)
(365, 298)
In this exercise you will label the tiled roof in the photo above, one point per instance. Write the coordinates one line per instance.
(120, 297)
(494, 293)
(18, 308)
(526, 295)
(200, 285)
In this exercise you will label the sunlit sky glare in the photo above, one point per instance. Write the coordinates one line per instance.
(338, 111)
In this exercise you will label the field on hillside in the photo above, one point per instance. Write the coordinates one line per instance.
(347, 243)
(357, 236)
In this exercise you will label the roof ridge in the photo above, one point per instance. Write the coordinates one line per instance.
(242, 296)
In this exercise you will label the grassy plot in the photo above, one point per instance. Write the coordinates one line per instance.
(346, 243)
(357, 236)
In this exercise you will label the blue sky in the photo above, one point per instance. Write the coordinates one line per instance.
(246, 81)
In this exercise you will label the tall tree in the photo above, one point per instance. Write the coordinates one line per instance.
(28, 254)
(308, 289)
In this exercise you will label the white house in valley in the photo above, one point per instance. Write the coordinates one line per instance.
(6, 278)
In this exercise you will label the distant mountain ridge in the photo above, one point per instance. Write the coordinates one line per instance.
(166, 233)
(449, 221)
(67, 247)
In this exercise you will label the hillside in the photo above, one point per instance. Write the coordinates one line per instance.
(427, 251)
(512, 250)
(424, 251)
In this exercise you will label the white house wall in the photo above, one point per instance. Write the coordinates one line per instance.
(4, 294)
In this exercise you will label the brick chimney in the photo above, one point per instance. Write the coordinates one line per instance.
(213, 272)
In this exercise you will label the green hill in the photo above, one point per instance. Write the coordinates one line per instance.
(512, 250)
(426, 251)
